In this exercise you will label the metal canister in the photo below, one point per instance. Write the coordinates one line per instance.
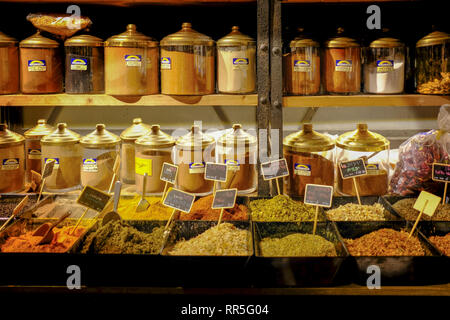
(9, 66)
(12, 160)
(33, 149)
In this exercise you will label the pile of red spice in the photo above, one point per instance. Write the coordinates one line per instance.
(201, 210)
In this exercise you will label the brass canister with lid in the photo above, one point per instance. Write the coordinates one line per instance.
(12, 160)
(152, 150)
(239, 151)
(63, 147)
(236, 63)
(100, 149)
(9, 65)
(41, 67)
(373, 148)
(127, 153)
(192, 152)
(131, 63)
(187, 63)
(310, 159)
(33, 149)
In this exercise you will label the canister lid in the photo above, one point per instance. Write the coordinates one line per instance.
(61, 136)
(156, 138)
(84, 40)
(308, 140)
(386, 43)
(7, 41)
(362, 140)
(236, 38)
(8, 137)
(131, 38)
(137, 130)
(42, 129)
(340, 41)
(195, 139)
(237, 137)
(100, 137)
(186, 37)
(303, 41)
(38, 41)
(434, 38)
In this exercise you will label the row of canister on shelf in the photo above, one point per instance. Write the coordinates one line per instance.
(89, 160)
(129, 64)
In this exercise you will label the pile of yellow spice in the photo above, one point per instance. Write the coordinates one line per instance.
(156, 210)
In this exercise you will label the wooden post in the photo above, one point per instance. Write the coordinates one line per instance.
(418, 219)
(170, 219)
(356, 189)
(40, 191)
(445, 193)
(278, 186)
(221, 215)
(79, 220)
(315, 220)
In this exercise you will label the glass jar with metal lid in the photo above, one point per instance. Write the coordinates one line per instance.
(384, 66)
(433, 63)
(9, 66)
(239, 151)
(84, 64)
(100, 149)
(127, 153)
(63, 147)
(373, 148)
(33, 148)
(302, 66)
(131, 64)
(12, 160)
(236, 63)
(342, 65)
(310, 159)
(41, 69)
(152, 150)
(187, 63)
(192, 152)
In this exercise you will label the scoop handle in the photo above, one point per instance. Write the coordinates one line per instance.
(63, 217)
(117, 190)
(144, 184)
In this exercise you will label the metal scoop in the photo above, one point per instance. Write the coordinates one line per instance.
(46, 230)
(143, 204)
(114, 215)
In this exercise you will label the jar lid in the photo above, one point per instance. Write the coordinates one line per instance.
(84, 40)
(340, 41)
(137, 130)
(7, 41)
(42, 129)
(362, 140)
(237, 137)
(187, 37)
(61, 136)
(8, 137)
(303, 41)
(308, 140)
(38, 41)
(386, 43)
(156, 138)
(131, 38)
(236, 38)
(195, 138)
(100, 137)
(434, 38)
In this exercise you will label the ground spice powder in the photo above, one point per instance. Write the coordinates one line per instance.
(201, 210)
(297, 245)
(156, 210)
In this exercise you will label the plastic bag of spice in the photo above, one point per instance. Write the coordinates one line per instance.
(64, 25)
(413, 172)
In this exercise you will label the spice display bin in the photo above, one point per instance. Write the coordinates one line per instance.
(297, 271)
(429, 229)
(9, 201)
(390, 213)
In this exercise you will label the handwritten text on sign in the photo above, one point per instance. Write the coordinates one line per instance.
(224, 199)
(353, 168)
(93, 198)
(180, 200)
(169, 173)
(216, 172)
(274, 169)
(318, 195)
(441, 172)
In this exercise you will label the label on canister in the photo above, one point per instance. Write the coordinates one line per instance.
(302, 169)
(373, 168)
(197, 167)
(34, 154)
(385, 66)
(79, 64)
(90, 165)
(133, 60)
(232, 165)
(344, 65)
(166, 63)
(302, 66)
(56, 166)
(37, 66)
(143, 166)
(240, 63)
(10, 164)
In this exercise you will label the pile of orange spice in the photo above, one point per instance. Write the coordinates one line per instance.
(201, 210)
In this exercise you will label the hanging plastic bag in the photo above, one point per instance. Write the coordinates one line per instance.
(413, 171)
(64, 25)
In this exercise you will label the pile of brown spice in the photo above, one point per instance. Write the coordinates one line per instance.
(405, 209)
(201, 210)
(442, 243)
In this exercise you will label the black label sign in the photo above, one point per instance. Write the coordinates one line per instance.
(224, 199)
(179, 200)
(216, 172)
(441, 172)
(169, 173)
(318, 195)
(93, 198)
(48, 169)
(274, 169)
(353, 168)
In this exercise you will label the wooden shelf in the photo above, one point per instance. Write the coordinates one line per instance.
(62, 99)
(404, 100)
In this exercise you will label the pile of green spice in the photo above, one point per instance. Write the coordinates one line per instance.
(121, 238)
(282, 208)
(404, 207)
(297, 245)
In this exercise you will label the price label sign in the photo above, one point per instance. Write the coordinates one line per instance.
(353, 168)
(318, 195)
(48, 169)
(179, 200)
(224, 199)
(93, 198)
(169, 173)
(441, 172)
(216, 172)
(274, 169)
(432, 202)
